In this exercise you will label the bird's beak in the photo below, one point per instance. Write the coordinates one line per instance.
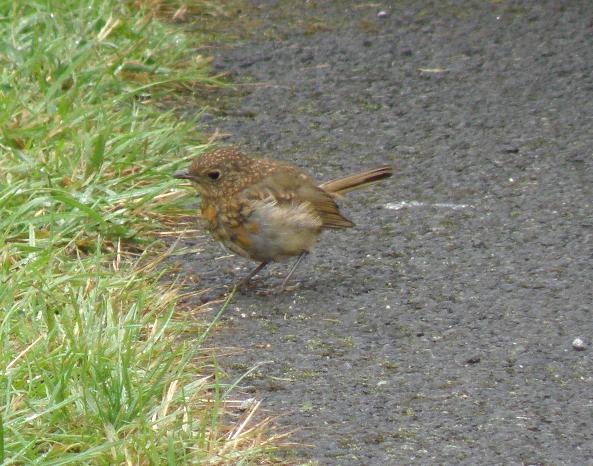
(183, 175)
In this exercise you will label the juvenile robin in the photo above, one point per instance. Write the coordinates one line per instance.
(267, 210)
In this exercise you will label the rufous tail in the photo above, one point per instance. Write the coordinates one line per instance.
(344, 185)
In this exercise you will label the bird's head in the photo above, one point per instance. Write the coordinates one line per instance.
(216, 171)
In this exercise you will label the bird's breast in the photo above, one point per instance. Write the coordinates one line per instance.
(279, 230)
(263, 229)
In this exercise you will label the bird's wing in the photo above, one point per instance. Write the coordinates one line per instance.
(294, 187)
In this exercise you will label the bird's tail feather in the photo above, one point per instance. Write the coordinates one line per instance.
(357, 181)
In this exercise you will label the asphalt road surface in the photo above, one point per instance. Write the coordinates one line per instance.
(440, 329)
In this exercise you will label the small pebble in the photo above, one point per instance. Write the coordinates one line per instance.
(578, 344)
(246, 404)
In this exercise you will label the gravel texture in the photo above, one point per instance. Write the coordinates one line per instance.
(440, 329)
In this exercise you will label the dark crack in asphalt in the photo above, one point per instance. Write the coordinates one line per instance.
(439, 330)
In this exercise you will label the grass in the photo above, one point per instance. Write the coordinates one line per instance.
(93, 369)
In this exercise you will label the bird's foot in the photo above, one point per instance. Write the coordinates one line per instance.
(211, 296)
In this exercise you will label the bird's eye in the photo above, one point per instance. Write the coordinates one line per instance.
(214, 175)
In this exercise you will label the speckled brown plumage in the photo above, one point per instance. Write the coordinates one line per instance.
(267, 210)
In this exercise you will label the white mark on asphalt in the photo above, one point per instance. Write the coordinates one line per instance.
(438, 205)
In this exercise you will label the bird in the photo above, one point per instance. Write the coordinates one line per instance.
(267, 210)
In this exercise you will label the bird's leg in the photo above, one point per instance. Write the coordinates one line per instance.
(259, 268)
(254, 272)
(292, 269)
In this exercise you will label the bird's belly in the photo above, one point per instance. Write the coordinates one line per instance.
(276, 231)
